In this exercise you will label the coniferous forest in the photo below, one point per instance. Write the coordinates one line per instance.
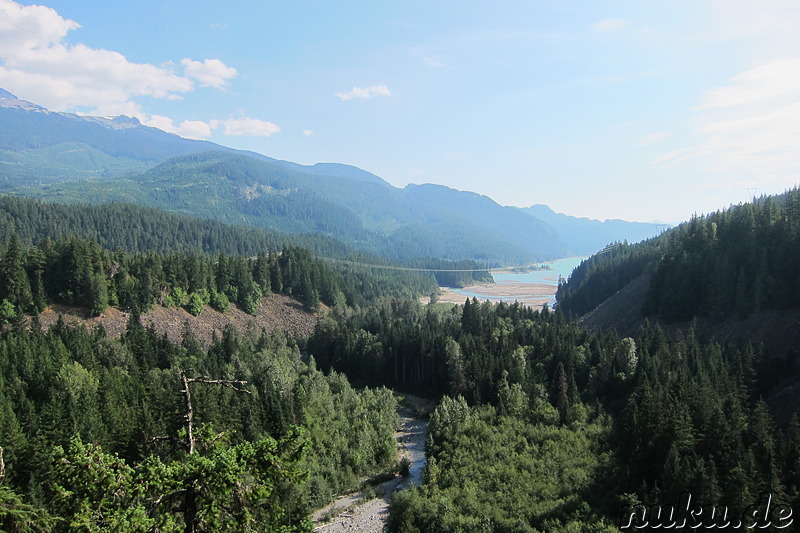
(730, 263)
(541, 425)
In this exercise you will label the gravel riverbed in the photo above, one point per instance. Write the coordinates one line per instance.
(353, 512)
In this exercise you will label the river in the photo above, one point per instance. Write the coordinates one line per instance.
(356, 513)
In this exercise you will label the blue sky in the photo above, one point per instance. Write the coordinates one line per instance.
(615, 109)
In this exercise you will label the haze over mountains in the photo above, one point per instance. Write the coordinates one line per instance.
(70, 158)
(582, 235)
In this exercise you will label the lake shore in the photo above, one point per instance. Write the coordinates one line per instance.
(529, 294)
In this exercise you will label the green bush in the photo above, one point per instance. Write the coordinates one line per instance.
(219, 301)
(7, 312)
(196, 304)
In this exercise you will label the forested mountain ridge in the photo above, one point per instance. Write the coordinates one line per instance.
(732, 262)
(66, 157)
(734, 272)
(559, 426)
(370, 216)
(542, 425)
(140, 230)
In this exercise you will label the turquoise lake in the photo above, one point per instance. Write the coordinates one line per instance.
(559, 268)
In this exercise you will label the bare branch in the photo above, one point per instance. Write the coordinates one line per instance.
(233, 384)
(217, 437)
(161, 438)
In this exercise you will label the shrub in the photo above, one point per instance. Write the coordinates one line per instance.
(196, 304)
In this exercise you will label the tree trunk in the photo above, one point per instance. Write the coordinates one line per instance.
(190, 510)
(189, 414)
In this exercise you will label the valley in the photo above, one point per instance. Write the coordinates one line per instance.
(195, 338)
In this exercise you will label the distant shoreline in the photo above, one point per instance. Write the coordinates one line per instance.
(534, 295)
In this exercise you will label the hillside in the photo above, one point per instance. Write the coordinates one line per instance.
(729, 264)
(776, 330)
(371, 216)
(728, 277)
(275, 313)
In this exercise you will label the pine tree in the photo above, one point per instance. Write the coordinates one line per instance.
(561, 392)
(98, 294)
(14, 284)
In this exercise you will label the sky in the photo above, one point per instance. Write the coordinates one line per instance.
(646, 111)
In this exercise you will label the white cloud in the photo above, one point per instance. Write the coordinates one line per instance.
(31, 26)
(308, 133)
(37, 63)
(191, 129)
(652, 138)
(434, 62)
(210, 73)
(751, 125)
(364, 93)
(194, 129)
(766, 82)
(609, 25)
(246, 127)
(198, 129)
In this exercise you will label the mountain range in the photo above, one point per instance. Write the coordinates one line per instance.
(70, 158)
(583, 235)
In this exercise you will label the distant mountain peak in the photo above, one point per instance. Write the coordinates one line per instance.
(343, 170)
(8, 99)
(123, 119)
(585, 235)
(121, 122)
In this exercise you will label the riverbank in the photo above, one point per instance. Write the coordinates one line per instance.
(367, 511)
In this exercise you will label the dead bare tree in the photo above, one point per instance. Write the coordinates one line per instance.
(189, 506)
(2, 464)
(233, 384)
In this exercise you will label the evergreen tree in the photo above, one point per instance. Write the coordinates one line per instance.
(14, 284)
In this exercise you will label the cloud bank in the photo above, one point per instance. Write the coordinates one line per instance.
(364, 93)
(246, 126)
(751, 124)
(37, 63)
(210, 73)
